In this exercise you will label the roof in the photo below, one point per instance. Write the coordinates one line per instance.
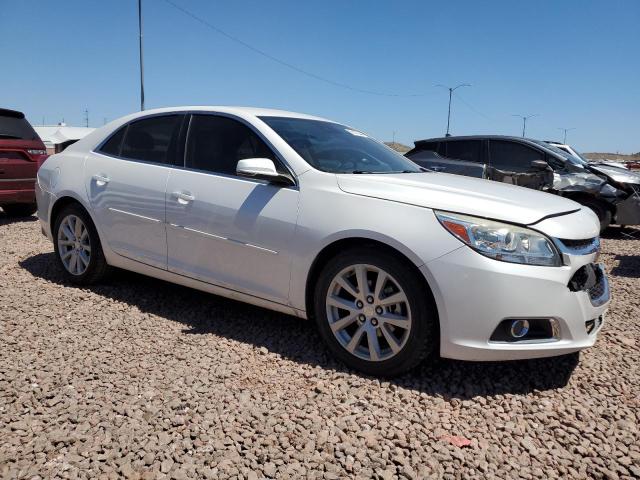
(475, 137)
(240, 111)
(57, 134)
(5, 112)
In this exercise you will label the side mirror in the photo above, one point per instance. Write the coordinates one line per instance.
(262, 169)
(539, 165)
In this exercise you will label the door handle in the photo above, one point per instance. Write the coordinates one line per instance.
(101, 180)
(437, 169)
(184, 198)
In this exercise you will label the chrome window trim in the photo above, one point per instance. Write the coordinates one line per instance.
(97, 148)
(190, 113)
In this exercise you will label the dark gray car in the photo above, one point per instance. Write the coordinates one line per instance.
(613, 195)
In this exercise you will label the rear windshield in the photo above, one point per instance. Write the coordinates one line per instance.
(16, 127)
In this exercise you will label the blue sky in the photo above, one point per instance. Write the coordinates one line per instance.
(576, 63)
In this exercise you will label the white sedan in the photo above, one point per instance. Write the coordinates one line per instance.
(316, 219)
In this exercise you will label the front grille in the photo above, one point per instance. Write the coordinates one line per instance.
(579, 247)
(578, 244)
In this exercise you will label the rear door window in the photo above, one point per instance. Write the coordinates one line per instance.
(469, 150)
(512, 156)
(114, 144)
(152, 139)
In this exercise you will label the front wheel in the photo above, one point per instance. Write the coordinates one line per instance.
(78, 247)
(373, 312)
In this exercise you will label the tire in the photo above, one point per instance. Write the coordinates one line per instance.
(84, 272)
(602, 212)
(412, 344)
(20, 209)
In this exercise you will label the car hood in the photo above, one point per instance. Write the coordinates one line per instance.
(455, 193)
(617, 174)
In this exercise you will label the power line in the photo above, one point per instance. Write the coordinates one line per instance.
(472, 108)
(285, 63)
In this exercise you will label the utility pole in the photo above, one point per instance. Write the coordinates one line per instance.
(565, 130)
(394, 137)
(451, 90)
(140, 48)
(524, 120)
(86, 117)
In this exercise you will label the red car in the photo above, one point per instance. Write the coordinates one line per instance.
(21, 154)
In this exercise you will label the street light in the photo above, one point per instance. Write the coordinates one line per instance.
(524, 120)
(451, 90)
(140, 48)
(565, 130)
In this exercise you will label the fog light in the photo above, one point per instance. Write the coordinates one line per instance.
(519, 328)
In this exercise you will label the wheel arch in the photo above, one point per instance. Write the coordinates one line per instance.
(67, 199)
(335, 247)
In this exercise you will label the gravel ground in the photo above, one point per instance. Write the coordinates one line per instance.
(138, 378)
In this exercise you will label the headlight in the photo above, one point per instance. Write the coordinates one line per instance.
(501, 241)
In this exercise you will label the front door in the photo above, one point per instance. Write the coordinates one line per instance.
(126, 181)
(224, 229)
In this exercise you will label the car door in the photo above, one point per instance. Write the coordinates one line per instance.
(126, 179)
(507, 155)
(224, 229)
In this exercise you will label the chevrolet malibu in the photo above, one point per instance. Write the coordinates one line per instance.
(316, 219)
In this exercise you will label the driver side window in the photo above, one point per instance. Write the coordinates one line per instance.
(512, 156)
(216, 144)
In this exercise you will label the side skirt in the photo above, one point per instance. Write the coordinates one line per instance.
(125, 263)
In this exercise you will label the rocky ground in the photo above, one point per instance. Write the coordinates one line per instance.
(140, 378)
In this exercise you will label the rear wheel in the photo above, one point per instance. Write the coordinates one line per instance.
(374, 314)
(78, 247)
(20, 209)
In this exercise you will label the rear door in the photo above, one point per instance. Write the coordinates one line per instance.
(126, 179)
(224, 229)
(468, 150)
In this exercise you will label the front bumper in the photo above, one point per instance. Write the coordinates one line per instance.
(474, 294)
(45, 201)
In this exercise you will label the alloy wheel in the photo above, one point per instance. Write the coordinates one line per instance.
(74, 245)
(368, 312)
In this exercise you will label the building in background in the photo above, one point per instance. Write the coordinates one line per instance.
(58, 137)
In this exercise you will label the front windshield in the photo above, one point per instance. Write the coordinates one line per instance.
(335, 148)
(563, 153)
(580, 156)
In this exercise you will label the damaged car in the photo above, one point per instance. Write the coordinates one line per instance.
(308, 217)
(613, 193)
